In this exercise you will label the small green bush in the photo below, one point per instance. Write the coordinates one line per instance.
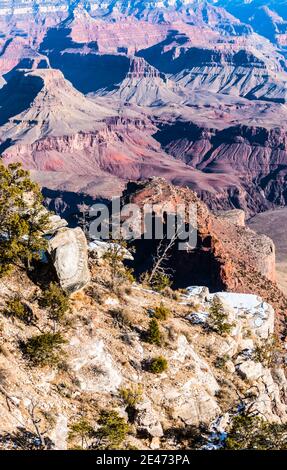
(160, 282)
(16, 308)
(218, 318)
(129, 275)
(268, 353)
(158, 365)
(81, 430)
(221, 361)
(113, 430)
(44, 349)
(153, 335)
(55, 301)
(131, 396)
(161, 312)
(115, 256)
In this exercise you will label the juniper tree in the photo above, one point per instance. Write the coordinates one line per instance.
(153, 335)
(112, 430)
(251, 431)
(22, 219)
(218, 318)
(44, 349)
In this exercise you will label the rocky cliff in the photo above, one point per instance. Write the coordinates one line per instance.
(106, 356)
(145, 86)
(227, 256)
(171, 367)
(255, 156)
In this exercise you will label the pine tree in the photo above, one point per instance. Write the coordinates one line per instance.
(112, 431)
(22, 219)
(218, 318)
(83, 431)
(153, 333)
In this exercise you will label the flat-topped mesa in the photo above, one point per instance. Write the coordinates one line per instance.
(51, 78)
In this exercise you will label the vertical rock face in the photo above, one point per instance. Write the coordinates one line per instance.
(266, 263)
(223, 236)
(69, 252)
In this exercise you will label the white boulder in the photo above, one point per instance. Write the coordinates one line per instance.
(245, 311)
(193, 400)
(250, 370)
(94, 366)
(69, 253)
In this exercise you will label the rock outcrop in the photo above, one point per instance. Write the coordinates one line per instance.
(69, 253)
(273, 224)
(253, 323)
(236, 216)
(244, 311)
(227, 256)
(208, 379)
(98, 249)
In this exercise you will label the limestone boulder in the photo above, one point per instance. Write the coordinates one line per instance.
(147, 419)
(93, 365)
(249, 311)
(69, 253)
(191, 403)
(271, 395)
(250, 370)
